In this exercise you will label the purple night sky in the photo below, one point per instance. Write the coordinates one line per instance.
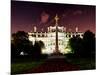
(26, 15)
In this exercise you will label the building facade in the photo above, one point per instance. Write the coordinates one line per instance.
(49, 38)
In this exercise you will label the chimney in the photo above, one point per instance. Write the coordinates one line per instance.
(35, 28)
(76, 29)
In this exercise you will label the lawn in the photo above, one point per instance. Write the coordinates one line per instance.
(83, 63)
(23, 66)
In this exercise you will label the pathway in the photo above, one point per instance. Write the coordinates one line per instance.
(54, 65)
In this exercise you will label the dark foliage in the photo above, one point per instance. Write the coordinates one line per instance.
(20, 43)
(84, 47)
(89, 43)
(38, 46)
(76, 45)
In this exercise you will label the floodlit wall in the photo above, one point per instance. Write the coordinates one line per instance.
(49, 39)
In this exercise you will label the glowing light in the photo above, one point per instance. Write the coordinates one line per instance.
(49, 40)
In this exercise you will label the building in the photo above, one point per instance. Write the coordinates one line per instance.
(55, 39)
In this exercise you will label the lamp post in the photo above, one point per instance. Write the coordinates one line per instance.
(56, 24)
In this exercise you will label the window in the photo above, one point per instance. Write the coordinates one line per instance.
(69, 35)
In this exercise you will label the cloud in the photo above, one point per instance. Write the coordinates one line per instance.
(78, 12)
(44, 17)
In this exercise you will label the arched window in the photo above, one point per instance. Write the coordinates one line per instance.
(66, 35)
(69, 35)
(38, 35)
(42, 35)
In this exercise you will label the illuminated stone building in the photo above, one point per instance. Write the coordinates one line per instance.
(55, 39)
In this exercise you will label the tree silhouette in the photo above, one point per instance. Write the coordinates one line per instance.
(89, 43)
(83, 47)
(21, 43)
(38, 46)
(75, 44)
(41, 44)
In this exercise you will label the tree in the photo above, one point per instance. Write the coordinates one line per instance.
(84, 47)
(21, 43)
(38, 46)
(89, 43)
(75, 44)
(13, 51)
(41, 44)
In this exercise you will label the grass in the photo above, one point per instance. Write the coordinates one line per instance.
(83, 63)
(23, 66)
